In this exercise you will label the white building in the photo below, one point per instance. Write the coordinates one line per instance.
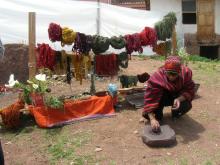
(198, 22)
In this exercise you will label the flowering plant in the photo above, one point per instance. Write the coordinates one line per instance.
(35, 85)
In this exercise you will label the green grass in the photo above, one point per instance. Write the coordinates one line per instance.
(191, 58)
(183, 161)
(112, 162)
(157, 57)
(63, 146)
(207, 72)
(207, 162)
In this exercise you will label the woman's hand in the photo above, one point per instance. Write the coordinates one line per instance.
(176, 104)
(155, 125)
(177, 101)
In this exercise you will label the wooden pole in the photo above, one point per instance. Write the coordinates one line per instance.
(174, 41)
(32, 41)
(92, 86)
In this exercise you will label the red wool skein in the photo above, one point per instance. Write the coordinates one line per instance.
(148, 36)
(55, 32)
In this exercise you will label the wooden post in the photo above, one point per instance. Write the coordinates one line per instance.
(174, 41)
(92, 86)
(32, 41)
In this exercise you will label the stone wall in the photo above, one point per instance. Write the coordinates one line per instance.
(193, 46)
(14, 61)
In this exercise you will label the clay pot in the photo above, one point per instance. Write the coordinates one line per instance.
(37, 99)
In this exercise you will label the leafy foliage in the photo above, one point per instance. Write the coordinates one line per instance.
(32, 86)
(54, 102)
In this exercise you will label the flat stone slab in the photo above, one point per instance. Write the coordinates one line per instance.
(165, 138)
(136, 99)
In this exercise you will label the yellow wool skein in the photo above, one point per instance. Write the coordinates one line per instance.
(68, 36)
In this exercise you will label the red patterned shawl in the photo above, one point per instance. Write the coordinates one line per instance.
(158, 83)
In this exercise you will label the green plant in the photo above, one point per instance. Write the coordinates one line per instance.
(184, 55)
(54, 102)
(36, 85)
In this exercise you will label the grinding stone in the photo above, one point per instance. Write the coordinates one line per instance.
(165, 138)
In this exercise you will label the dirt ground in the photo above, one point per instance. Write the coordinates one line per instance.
(119, 137)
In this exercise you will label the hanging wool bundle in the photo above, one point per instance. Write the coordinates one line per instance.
(137, 47)
(77, 61)
(89, 41)
(123, 59)
(82, 43)
(100, 44)
(164, 28)
(160, 48)
(61, 63)
(142, 78)
(45, 56)
(163, 31)
(123, 56)
(68, 36)
(168, 46)
(117, 42)
(129, 43)
(171, 16)
(58, 63)
(68, 70)
(55, 32)
(11, 114)
(148, 36)
(106, 65)
(124, 64)
(133, 43)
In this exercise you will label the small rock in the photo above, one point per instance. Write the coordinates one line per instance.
(135, 132)
(217, 102)
(130, 119)
(8, 143)
(98, 149)
(168, 153)
(141, 120)
(216, 145)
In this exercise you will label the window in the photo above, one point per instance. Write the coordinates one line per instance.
(189, 11)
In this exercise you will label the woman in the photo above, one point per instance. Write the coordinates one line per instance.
(171, 85)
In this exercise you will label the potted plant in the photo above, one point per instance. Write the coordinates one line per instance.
(33, 91)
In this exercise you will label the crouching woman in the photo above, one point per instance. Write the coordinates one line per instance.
(171, 85)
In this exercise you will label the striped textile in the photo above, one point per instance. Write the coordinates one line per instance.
(158, 84)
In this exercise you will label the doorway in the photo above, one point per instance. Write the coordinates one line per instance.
(210, 52)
